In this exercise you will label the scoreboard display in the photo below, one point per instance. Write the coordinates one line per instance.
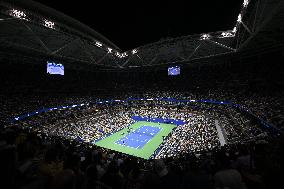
(174, 70)
(55, 68)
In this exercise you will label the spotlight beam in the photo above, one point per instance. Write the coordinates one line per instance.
(188, 58)
(7, 19)
(126, 62)
(37, 38)
(245, 26)
(63, 47)
(221, 45)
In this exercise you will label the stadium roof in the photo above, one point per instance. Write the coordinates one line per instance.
(131, 24)
(263, 27)
(29, 29)
(48, 12)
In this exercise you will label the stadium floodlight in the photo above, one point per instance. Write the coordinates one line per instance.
(134, 51)
(18, 14)
(204, 36)
(226, 34)
(234, 29)
(239, 18)
(98, 44)
(124, 54)
(109, 50)
(245, 3)
(121, 55)
(49, 24)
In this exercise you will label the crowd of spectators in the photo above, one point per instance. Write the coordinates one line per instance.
(95, 121)
(55, 149)
(35, 160)
(92, 127)
(199, 134)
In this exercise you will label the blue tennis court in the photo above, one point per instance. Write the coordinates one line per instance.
(138, 138)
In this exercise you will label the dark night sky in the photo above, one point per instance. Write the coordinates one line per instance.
(130, 24)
